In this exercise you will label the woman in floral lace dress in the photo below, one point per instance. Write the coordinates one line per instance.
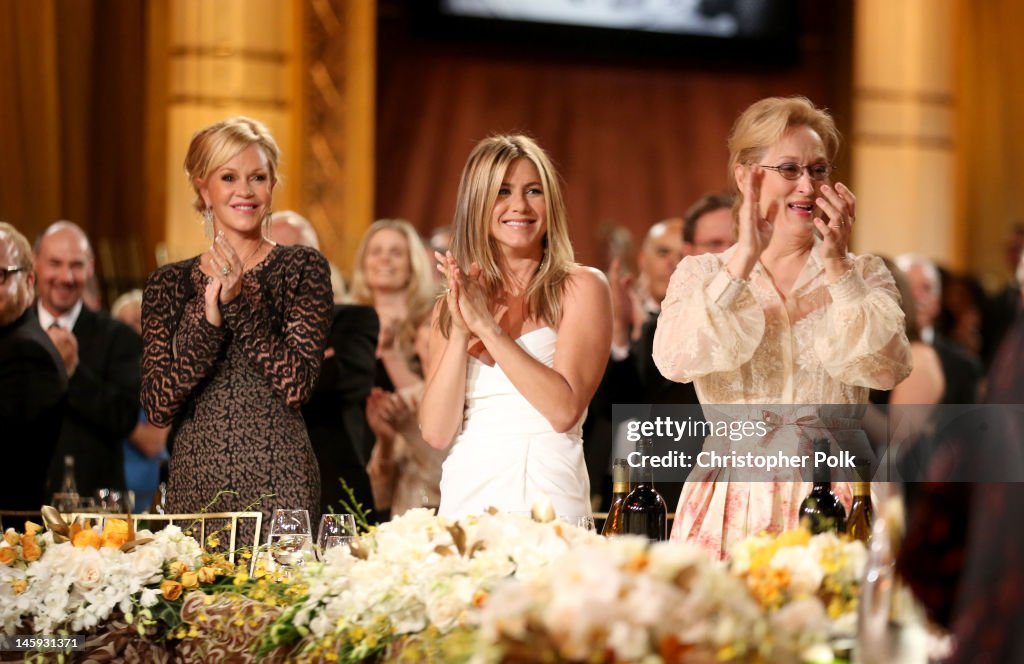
(234, 338)
(787, 316)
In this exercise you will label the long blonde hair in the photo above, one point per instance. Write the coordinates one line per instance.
(471, 238)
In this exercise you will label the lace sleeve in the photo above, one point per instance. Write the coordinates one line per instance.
(709, 321)
(862, 338)
(179, 351)
(289, 358)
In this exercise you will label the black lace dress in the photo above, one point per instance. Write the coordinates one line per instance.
(233, 392)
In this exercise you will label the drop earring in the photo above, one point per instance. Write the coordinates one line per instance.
(208, 222)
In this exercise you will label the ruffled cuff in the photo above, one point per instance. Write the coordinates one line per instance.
(724, 288)
(849, 288)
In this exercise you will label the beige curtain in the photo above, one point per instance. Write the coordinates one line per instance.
(71, 124)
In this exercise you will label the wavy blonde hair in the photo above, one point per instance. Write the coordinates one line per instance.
(764, 123)
(471, 237)
(421, 289)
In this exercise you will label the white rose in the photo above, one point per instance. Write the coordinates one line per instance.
(89, 575)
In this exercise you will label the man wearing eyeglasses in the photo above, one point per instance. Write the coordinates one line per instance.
(32, 380)
(102, 357)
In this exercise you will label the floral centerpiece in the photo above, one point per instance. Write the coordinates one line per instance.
(417, 575)
(77, 584)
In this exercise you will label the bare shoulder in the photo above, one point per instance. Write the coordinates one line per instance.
(586, 283)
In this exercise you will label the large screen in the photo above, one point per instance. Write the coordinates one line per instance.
(712, 18)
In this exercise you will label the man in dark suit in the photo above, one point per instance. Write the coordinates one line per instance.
(101, 356)
(336, 411)
(32, 380)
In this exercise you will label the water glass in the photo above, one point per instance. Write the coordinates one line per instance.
(290, 540)
(586, 523)
(335, 530)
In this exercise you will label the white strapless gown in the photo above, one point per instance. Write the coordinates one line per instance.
(507, 454)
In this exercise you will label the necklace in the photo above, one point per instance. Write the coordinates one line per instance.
(252, 253)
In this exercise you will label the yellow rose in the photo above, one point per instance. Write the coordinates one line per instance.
(170, 589)
(190, 580)
(207, 574)
(115, 533)
(178, 568)
(12, 537)
(8, 555)
(30, 548)
(86, 537)
(19, 585)
(32, 528)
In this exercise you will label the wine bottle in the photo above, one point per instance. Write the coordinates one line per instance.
(643, 509)
(821, 511)
(862, 516)
(613, 525)
(67, 499)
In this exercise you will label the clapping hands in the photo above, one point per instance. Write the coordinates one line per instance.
(467, 301)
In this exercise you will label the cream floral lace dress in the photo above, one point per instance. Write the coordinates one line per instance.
(813, 355)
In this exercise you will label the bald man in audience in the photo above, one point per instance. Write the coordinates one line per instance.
(32, 381)
(102, 358)
(660, 252)
(336, 412)
(961, 369)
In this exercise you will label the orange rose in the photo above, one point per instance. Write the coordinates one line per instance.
(8, 555)
(19, 585)
(170, 589)
(86, 537)
(12, 537)
(32, 528)
(115, 533)
(207, 574)
(30, 548)
(178, 568)
(190, 580)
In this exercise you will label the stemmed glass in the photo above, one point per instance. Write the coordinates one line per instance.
(586, 523)
(335, 530)
(290, 540)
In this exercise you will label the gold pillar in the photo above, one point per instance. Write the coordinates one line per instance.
(306, 68)
(904, 113)
(339, 89)
(215, 60)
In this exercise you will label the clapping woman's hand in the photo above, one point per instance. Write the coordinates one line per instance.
(447, 266)
(755, 230)
(840, 206)
(473, 301)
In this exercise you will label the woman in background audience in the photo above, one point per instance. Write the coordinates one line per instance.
(393, 275)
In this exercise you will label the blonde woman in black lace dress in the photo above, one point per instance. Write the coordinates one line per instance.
(234, 338)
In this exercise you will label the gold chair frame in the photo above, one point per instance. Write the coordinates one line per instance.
(179, 520)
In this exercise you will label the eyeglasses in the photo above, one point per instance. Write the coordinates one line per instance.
(4, 271)
(791, 171)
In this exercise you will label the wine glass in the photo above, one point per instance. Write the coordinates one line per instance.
(335, 530)
(109, 501)
(586, 523)
(290, 540)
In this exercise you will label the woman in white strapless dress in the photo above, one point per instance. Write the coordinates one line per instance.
(518, 343)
